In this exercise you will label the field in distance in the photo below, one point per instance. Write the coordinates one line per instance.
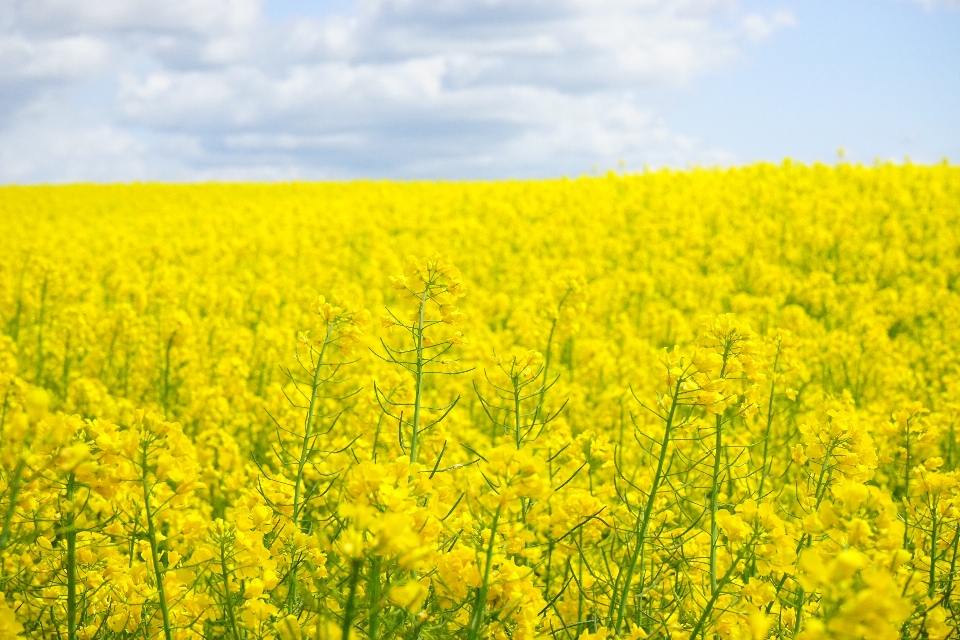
(670, 405)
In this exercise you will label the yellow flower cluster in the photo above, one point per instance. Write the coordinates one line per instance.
(703, 404)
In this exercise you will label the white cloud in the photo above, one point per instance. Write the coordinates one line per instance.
(208, 17)
(760, 27)
(50, 59)
(78, 152)
(185, 89)
(930, 5)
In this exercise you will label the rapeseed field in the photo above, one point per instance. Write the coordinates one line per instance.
(698, 404)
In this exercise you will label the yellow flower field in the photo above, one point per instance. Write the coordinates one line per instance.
(713, 403)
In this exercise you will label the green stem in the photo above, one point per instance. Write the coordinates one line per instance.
(820, 492)
(14, 487)
(227, 597)
(798, 616)
(546, 363)
(516, 411)
(708, 609)
(305, 448)
(766, 437)
(43, 309)
(71, 535)
(3, 413)
(547, 356)
(481, 600)
(933, 549)
(154, 552)
(955, 546)
(643, 525)
(15, 321)
(906, 492)
(65, 378)
(415, 437)
(308, 429)
(715, 483)
(373, 628)
(714, 506)
(355, 565)
(951, 444)
(165, 398)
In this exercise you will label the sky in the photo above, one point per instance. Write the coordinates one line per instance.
(197, 90)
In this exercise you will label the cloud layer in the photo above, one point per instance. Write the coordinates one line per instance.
(183, 90)
(950, 5)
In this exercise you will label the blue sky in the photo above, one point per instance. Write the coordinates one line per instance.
(881, 78)
(190, 90)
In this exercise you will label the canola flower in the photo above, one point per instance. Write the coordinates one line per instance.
(703, 404)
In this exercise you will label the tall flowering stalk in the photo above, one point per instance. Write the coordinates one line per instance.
(298, 477)
(511, 408)
(433, 286)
